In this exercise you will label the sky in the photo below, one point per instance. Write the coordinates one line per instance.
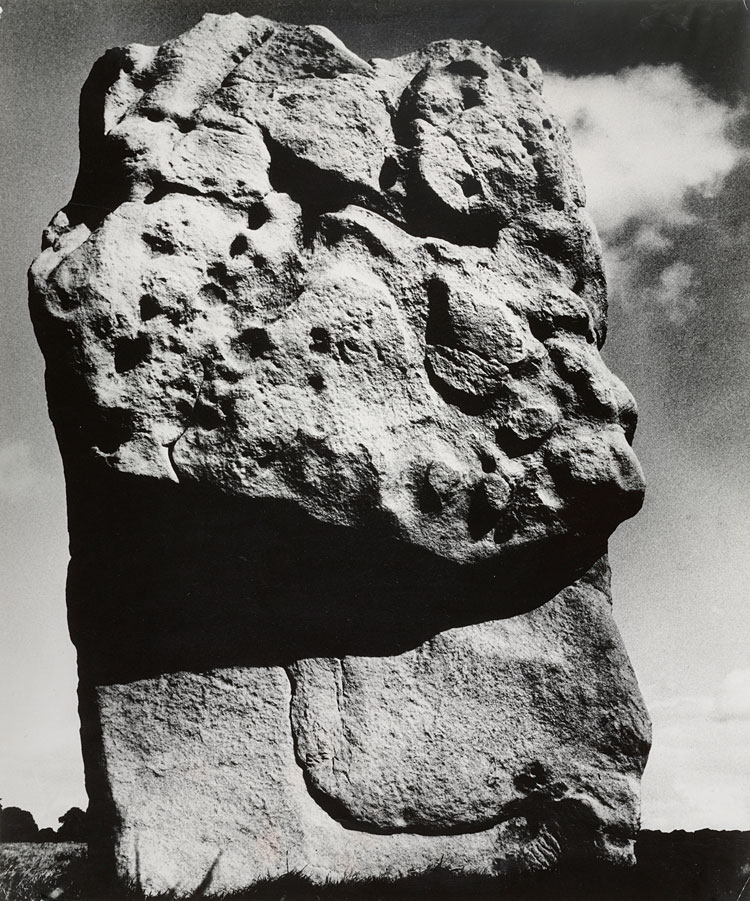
(657, 99)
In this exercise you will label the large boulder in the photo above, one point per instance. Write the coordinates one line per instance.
(322, 341)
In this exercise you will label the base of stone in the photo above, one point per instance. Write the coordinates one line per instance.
(211, 785)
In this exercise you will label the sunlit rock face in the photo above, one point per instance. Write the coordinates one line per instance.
(322, 339)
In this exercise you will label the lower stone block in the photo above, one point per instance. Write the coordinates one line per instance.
(508, 746)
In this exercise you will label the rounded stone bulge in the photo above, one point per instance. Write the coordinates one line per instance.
(415, 356)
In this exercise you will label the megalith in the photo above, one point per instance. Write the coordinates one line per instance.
(342, 458)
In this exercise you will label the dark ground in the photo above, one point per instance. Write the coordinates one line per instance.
(674, 866)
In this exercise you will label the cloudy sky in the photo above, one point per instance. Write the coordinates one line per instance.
(657, 98)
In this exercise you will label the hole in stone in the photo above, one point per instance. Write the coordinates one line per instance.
(184, 408)
(554, 245)
(185, 125)
(470, 186)
(316, 381)
(155, 115)
(101, 326)
(257, 215)
(577, 325)
(533, 777)
(238, 246)
(389, 173)
(347, 349)
(214, 292)
(579, 286)
(488, 462)
(541, 328)
(256, 341)
(207, 417)
(558, 204)
(470, 97)
(504, 529)
(481, 517)
(149, 307)
(130, 352)
(267, 454)
(69, 300)
(514, 445)
(629, 421)
(218, 272)
(428, 500)
(546, 123)
(558, 790)
(115, 428)
(321, 340)
(162, 187)
(467, 67)
(318, 71)
(439, 323)
(158, 244)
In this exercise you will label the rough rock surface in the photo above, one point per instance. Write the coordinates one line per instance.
(322, 339)
(505, 746)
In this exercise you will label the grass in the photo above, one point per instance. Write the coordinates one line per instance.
(50, 876)
(703, 866)
(31, 872)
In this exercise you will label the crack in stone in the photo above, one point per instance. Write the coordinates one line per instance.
(170, 445)
(165, 187)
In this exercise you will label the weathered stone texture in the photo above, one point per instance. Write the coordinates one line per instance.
(500, 747)
(322, 340)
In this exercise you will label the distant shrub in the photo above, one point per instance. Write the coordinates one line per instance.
(17, 825)
(73, 826)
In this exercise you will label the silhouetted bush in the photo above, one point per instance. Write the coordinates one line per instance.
(73, 826)
(17, 825)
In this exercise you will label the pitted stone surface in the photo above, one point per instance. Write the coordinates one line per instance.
(322, 340)
(367, 288)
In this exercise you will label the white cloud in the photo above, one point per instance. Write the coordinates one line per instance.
(674, 291)
(670, 289)
(644, 138)
(649, 238)
(647, 141)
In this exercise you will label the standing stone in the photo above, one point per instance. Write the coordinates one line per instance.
(342, 458)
